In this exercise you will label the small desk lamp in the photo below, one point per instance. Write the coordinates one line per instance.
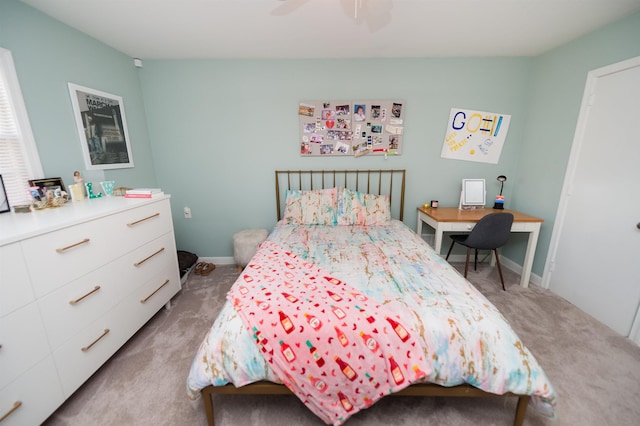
(499, 204)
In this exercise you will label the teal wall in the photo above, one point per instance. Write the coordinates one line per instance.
(211, 132)
(221, 127)
(48, 55)
(557, 84)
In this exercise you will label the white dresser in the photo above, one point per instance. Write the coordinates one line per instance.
(76, 282)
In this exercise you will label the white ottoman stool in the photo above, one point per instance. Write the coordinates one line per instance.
(245, 245)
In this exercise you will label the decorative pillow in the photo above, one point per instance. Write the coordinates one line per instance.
(349, 208)
(314, 207)
(377, 209)
(356, 208)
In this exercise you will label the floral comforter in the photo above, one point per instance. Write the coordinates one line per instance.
(463, 335)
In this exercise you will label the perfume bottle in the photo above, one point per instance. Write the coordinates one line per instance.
(318, 384)
(419, 373)
(339, 313)
(372, 381)
(369, 342)
(346, 404)
(398, 377)
(346, 369)
(334, 296)
(333, 280)
(313, 321)
(289, 297)
(359, 296)
(286, 322)
(315, 354)
(262, 305)
(342, 338)
(310, 286)
(402, 333)
(286, 350)
(369, 318)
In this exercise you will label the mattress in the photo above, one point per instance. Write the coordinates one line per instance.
(465, 337)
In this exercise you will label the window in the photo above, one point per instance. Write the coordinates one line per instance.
(19, 160)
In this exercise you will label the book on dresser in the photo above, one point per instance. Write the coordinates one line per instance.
(151, 195)
(143, 193)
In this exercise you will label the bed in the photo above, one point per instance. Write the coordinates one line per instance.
(346, 226)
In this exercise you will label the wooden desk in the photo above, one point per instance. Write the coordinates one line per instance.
(452, 219)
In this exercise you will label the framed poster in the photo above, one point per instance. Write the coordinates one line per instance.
(351, 127)
(102, 127)
(4, 200)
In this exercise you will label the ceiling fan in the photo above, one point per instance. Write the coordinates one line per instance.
(375, 13)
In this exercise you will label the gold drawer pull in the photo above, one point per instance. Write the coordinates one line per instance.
(63, 249)
(142, 220)
(149, 257)
(73, 302)
(86, 348)
(16, 405)
(157, 290)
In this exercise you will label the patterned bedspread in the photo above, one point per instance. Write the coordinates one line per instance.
(465, 337)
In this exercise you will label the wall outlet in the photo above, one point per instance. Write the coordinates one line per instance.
(187, 213)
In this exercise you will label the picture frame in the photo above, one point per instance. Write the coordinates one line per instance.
(43, 184)
(4, 200)
(102, 128)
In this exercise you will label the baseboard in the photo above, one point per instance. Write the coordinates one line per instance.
(218, 260)
(513, 266)
(504, 261)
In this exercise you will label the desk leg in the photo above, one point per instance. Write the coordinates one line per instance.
(419, 226)
(528, 257)
(437, 239)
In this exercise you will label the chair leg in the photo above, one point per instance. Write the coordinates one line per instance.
(475, 261)
(466, 265)
(450, 248)
(499, 269)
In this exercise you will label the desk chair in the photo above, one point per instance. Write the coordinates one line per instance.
(490, 233)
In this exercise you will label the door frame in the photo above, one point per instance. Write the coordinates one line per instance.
(572, 166)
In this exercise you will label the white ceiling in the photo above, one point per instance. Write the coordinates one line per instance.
(168, 29)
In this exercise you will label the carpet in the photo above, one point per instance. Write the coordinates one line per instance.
(595, 371)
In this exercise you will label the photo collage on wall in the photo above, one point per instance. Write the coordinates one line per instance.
(351, 127)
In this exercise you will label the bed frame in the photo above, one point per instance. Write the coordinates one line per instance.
(388, 182)
(380, 182)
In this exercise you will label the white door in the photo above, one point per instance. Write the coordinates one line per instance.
(594, 257)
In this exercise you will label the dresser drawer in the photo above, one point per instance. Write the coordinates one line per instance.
(136, 226)
(154, 294)
(23, 341)
(84, 353)
(80, 356)
(102, 337)
(15, 287)
(62, 256)
(35, 395)
(67, 310)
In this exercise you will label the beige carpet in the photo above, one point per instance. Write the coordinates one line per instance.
(595, 371)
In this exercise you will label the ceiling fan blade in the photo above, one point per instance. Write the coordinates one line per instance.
(287, 7)
(377, 13)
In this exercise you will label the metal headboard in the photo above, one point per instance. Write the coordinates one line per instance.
(380, 182)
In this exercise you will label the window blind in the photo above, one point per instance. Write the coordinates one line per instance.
(16, 166)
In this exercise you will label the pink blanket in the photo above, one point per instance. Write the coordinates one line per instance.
(336, 349)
